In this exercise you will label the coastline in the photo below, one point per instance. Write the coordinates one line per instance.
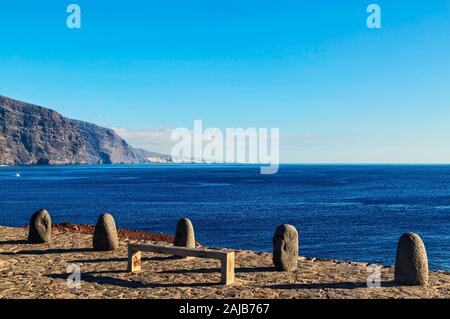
(125, 234)
(40, 271)
(361, 206)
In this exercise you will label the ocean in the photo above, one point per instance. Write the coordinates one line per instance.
(347, 212)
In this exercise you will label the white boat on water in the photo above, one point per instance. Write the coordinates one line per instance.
(18, 175)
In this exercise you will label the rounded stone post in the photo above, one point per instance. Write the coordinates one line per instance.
(411, 264)
(105, 234)
(285, 248)
(40, 230)
(184, 235)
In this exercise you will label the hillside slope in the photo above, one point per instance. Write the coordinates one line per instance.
(31, 134)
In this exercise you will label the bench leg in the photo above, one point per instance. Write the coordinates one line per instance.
(134, 260)
(227, 269)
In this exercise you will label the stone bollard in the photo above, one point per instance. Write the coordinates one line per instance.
(184, 235)
(105, 234)
(285, 248)
(411, 264)
(40, 227)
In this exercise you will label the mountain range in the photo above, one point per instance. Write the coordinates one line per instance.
(35, 135)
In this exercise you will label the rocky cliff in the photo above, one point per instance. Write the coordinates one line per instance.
(30, 134)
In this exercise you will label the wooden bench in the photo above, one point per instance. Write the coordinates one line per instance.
(226, 257)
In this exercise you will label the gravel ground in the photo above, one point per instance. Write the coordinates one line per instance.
(40, 271)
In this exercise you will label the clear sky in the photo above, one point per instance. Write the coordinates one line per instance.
(338, 91)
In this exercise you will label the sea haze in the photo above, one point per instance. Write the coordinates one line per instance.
(349, 212)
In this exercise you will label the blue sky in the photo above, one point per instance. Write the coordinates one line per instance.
(338, 91)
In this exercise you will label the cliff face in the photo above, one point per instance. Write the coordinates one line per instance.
(103, 145)
(30, 134)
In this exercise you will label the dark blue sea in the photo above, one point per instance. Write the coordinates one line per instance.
(349, 212)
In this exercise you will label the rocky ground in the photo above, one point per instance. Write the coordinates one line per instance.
(40, 271)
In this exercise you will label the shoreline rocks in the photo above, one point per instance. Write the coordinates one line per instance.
(42, 274)
(105, 234)
(123, 233)
(40, 230)
(411, 264)
(184, 235)
(285, 248)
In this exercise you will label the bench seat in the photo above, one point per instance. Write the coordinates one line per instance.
(226, 257)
